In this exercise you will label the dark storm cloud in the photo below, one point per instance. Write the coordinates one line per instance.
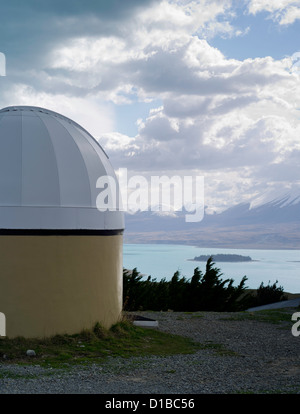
(28, 29)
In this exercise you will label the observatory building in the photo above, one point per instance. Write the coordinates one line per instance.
(60, 256)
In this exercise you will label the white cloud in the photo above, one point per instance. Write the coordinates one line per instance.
(185, 16)
(114, 141)
(96, 117)
(269, 5)
(236, 122)
(291, 15)
(115, 63)
(240, 121)
(284, 11)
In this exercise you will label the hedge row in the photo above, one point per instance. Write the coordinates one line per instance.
(206, 292)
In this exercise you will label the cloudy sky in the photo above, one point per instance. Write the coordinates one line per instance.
(187, 87)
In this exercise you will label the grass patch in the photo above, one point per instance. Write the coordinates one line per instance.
(275, 316)
(219, 349)
(197, 316)
(123, 339)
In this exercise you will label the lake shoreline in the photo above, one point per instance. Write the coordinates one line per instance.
(223, 258)
(209, 245)
(229, 261)
(162, 260)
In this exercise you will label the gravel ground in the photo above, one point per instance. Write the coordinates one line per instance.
(265, 358)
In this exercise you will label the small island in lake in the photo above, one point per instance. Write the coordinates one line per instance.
(223, 258)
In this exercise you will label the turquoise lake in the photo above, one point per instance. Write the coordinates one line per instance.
(163, 260)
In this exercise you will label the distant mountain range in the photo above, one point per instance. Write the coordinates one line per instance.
(267, 222)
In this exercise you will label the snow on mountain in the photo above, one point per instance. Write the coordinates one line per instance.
(269, 208)
(277, 199)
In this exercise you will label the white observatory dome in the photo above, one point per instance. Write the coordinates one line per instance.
(49, 167)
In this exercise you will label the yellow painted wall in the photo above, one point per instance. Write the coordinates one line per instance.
(59, 284)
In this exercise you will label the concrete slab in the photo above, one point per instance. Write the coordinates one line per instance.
(144, 322)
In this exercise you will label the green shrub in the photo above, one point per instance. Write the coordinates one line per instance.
(206, 292)
(268, 294)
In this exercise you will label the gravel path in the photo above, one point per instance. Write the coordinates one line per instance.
(265, 358)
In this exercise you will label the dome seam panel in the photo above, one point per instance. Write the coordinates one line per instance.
(49, 136)
(83, 160)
